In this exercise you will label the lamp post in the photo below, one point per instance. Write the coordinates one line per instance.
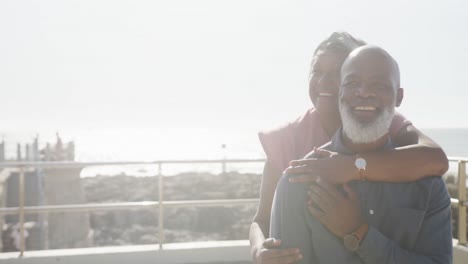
(223, 147)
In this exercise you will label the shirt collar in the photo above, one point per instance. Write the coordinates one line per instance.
(338, 145)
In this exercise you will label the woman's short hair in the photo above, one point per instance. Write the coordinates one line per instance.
(340, 41)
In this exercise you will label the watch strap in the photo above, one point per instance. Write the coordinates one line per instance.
(362, 177)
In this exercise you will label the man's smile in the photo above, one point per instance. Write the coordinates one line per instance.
(364, 108)
(365, 113)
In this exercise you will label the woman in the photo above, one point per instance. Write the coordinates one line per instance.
(416, 157)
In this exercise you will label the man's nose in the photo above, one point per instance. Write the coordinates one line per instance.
(365, 91)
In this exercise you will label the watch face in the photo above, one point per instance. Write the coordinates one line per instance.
(351, 242)
(360, 163)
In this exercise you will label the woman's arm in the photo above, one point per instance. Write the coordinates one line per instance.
(417, 157)
(259, 230)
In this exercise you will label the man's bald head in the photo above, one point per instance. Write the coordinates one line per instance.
(372, 59)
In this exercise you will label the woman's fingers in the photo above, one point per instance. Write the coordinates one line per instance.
(303, 178)
(301, 174)
(323, 153)
(302, 162)
(296, 170)
(271, 242)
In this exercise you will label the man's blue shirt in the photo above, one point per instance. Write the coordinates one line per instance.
(409, 222)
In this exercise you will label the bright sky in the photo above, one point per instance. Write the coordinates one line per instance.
(231, 64)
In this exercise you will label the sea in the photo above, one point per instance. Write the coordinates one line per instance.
(151, 144)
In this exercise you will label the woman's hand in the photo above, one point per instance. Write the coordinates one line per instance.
(270, 253)
(329, 166)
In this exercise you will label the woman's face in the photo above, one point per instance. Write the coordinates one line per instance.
(324, 82)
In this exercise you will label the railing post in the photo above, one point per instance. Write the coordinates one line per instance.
(21, 210)
(223, 165)
(462, 204)
(161, 207)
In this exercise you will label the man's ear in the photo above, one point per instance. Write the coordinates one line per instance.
(400, 93)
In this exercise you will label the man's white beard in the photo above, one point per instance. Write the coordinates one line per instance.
(359, 132)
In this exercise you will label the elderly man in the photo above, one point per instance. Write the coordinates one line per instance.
(365, 222)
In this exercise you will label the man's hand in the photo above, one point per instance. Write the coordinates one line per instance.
(329, 166)
(339, 213)
(271, 254)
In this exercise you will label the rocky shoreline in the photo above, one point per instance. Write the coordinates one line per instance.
(182, 224)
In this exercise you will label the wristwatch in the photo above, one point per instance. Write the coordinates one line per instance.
(360, 164)
(353, 241)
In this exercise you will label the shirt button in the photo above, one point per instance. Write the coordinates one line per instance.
(371, 211)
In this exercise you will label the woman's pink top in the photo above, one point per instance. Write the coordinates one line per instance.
(297, 138)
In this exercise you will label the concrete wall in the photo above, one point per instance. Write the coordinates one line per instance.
(460, 253)
(195, 252)
(66, 230)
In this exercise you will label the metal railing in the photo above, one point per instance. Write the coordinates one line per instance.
(21, 210)
(461, 202)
